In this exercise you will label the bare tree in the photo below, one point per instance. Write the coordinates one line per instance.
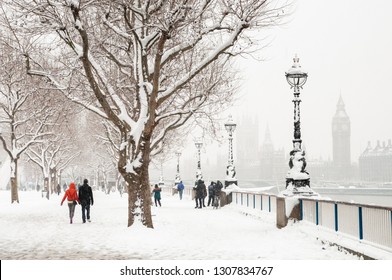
(23, 115)
(52, 156)
(152, 66)
(111, 142)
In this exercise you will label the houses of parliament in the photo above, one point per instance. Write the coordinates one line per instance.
(265, 162)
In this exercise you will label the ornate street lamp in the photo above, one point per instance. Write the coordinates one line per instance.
(297, 178)
(199, 145)
(230, 170)
(177, 180)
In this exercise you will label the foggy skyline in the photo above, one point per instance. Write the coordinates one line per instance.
(344, 46)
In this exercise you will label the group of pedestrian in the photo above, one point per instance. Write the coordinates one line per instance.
(84, 198)
(201, 193)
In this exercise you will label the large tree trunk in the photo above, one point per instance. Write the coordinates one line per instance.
(138, 185)
(139, 198)
(53, 179)
(14, 181)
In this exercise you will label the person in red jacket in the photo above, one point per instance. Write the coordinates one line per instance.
(72, 198)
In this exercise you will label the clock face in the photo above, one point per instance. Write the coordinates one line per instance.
(340, 127)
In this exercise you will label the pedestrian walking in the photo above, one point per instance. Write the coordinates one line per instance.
(211, 194)
(201, 193)
(180, 188)
(72, 199)
(204, 194)
(157, 195)
(86, 199)
(217, 191)
(194, 194)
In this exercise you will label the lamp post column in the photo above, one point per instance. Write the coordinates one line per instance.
(177, 180)
(199, 145)
(230, 169)
(297, 178)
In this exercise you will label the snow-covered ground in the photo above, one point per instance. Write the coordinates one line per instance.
(184, 238)
(38, 228)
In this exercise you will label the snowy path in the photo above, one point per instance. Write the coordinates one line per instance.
(39, 229)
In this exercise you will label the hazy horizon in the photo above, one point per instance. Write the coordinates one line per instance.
(345, 48)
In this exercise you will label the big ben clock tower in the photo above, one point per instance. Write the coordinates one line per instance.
(341, 142)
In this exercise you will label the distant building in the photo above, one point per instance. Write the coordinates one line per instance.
(319, 169)
(247, 137)
(247, 149)
(273, 165)
(375, 164)
(341, 132)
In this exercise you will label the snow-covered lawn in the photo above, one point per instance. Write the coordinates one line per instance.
(38, 228)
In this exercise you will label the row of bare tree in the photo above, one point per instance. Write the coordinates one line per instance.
(148, 68)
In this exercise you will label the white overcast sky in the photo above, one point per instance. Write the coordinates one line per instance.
(346, 48)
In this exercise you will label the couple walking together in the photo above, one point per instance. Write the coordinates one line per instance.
(85, 198)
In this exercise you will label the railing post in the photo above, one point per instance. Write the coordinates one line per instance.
(261, 202)
(336, 217)
(317, 213)
(360, 223)
(254, 201)
(287, 208)
(269, 203)
(301, 210)
(247, 200)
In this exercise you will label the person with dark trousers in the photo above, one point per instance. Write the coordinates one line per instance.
(180, 188)
(200, 193)
(86, 199)
(157, 195)
(194, 194)
(211, 194)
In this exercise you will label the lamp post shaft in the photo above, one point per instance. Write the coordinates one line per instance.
(198, 159)
(231, 157)
(178, 177)
(297, 122)
(230, 169)
(199, 145)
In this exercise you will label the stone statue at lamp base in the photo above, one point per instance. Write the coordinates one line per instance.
(297, 178)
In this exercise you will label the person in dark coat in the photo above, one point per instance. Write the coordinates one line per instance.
(194, 194)
(217, 191)
(201, 192)
(157, 195)
(204, 194)
(86, 199)
(211, 194)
